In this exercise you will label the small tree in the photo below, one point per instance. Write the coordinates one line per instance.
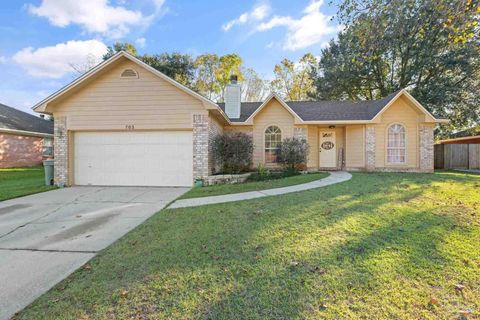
(233, 152)
(293, 153)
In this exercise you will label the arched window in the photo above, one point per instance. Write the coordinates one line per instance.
(396, 144)
(273, 138)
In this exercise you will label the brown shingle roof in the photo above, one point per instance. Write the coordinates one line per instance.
(324, 110)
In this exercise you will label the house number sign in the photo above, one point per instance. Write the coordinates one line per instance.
(130, 127)
(327, 145)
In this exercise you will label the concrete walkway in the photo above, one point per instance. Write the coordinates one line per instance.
(333, 178)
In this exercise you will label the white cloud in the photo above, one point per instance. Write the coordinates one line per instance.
(23, 99)
(3, 59)
(311, 28)
(270, 45)
(94, 16)
(56, 61)
(258, 13)
(141, 42)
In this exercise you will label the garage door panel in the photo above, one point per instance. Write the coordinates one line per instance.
(133, 158)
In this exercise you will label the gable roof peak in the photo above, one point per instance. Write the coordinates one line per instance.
(41, 106)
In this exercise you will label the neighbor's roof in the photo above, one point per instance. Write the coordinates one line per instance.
(471, 135)
(475, 131)
(324, 110)
(13, 119)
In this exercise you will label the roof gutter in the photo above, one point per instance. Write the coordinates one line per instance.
(26, 133)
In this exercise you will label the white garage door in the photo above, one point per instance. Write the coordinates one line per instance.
(133, 158)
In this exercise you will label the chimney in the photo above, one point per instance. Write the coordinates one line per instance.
(232, 98)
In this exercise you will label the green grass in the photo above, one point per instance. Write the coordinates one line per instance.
(217, 190)
(19, 182)
(380, 246)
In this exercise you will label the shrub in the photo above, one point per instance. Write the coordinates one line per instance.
(262, 171)
(233, 152)
(293, 153)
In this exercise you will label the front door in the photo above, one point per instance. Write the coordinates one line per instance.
(328, 149)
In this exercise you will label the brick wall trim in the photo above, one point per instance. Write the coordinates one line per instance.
(200, 145)
(370, 148)
(426, 148)
(60, 141)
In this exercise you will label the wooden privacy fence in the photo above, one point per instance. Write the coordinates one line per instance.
(457, 156)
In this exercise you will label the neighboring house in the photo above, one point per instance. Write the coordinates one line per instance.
(471, 136)
(24, 139)
(461, 151)
(125, 123)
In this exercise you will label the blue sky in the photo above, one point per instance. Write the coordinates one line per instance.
(40, 40)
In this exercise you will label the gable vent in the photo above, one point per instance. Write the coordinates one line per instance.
(129, 73)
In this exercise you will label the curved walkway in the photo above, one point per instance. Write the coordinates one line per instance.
(333, 178)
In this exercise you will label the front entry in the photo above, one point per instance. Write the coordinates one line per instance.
(328, 149)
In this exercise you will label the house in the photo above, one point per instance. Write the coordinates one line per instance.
(460, 151)
(125, 123)
(24, 138)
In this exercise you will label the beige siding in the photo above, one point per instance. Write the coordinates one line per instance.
(244, 129)
(111, 103)
(399, 112)
(272, 114)
(355, 146)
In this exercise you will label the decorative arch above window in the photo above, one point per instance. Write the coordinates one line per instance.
(129, 74)
(273, 138)
(396, 144)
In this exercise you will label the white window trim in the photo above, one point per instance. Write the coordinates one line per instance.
(264, 142)
(404, 148)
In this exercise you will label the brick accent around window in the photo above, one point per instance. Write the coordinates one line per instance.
(370, 148)
(200, 145)
(60, 141)
(426, 148)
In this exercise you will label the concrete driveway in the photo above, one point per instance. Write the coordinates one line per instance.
(46, 236)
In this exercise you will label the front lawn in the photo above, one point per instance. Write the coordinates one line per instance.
(380, 246)
(19, 182)
(217, 190)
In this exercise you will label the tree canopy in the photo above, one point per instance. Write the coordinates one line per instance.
(429, 47)
(293, 80)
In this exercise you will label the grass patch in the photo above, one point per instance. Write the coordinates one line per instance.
(274, 182)
(380, 246)
(19, 182)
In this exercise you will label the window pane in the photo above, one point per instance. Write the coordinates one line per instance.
(273, 137)
(396, 144)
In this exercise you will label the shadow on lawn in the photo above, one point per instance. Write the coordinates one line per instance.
(287, 292)
(267, 258)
